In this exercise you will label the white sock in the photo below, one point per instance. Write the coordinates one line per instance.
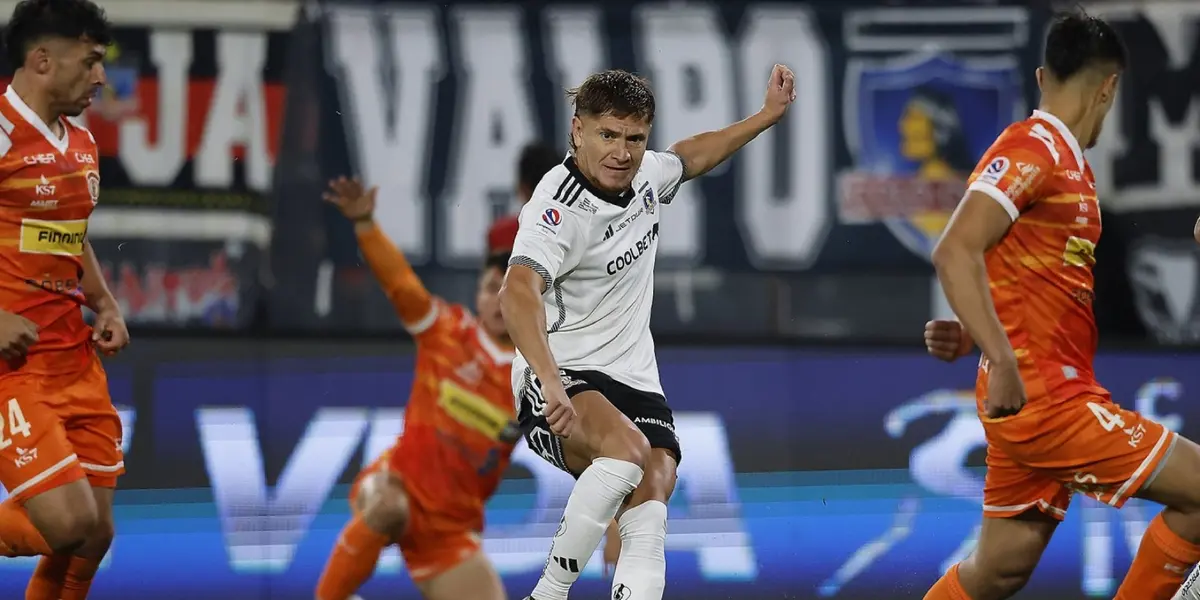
(642, 568)
(593, 503)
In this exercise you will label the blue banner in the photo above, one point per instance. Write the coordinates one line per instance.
(807, 474)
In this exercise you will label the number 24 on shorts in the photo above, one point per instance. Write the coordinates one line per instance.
(16, 424)
(1108, 420)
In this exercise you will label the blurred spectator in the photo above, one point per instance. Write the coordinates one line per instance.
(536, 160)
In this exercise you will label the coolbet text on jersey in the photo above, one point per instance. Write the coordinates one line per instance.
(1070, 436)
(458, 437)
(58, 422)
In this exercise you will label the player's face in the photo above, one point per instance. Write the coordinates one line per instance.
(487, 302)
(76, 74)
(609, 149)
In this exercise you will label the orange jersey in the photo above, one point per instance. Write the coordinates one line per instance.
(48, 188)
(457, 439)
(1041, 271)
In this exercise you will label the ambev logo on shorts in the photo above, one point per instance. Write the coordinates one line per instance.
(64, 238)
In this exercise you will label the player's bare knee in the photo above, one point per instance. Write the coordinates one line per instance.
(658, 480)
(628, 444)
(69, 531)
(383, 504)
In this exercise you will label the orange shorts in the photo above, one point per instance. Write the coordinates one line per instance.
(432, 543)
(1088, 445)
(56, 429)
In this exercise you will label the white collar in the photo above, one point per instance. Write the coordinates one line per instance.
(1065, 133)
(31, 117)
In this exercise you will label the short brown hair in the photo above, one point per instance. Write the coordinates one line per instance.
(613, 92)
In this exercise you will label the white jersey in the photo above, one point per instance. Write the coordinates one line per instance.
(596, 252)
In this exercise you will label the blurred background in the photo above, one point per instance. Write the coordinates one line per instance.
(826, 456)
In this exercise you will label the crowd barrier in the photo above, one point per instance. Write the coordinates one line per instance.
(805, 473)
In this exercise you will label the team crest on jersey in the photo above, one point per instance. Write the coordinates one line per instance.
(916, 125)
(648, 199)
(93, 184)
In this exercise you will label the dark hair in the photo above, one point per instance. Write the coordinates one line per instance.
(536, 160)
(614, 92)
(1077, 41)
(499, 260)
(34, 20)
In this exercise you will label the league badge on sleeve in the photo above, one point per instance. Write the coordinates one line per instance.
(93, 184)
(995, 171)
(551, 220)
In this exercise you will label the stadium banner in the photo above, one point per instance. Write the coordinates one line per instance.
(433, 103)
(187, 128)
(805, 474)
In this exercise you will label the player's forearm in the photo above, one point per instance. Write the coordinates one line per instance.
(1196, 231)
(95, 289)
(525, 319)
(703, 152)
(963, 275)
(393, 272)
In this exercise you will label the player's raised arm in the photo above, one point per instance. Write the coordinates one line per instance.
(701, 153)
(414, 304)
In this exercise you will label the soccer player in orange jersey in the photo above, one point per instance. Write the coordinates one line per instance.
(1016, 264)
(60, 437)
(427, 492)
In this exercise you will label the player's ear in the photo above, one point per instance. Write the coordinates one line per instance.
(39, 60)
(576, 131)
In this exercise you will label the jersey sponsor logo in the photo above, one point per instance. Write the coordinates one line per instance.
(917, 123)
(45, 158)
(84, 158)
(44, 187)
(633, 253)
(995, 171)
(63, 238)
(473, 410)
(655, 422)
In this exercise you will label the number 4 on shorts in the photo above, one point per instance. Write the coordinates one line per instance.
(1108, 420)
(16, 424)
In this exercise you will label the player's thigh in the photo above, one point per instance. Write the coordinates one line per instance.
(1176, 484)
(35, 454)
(653, 417)
(93, 425)
(474, 578)
(378, 497)
(1091, 445)
(602, 430)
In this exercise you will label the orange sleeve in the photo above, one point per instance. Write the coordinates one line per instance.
(413, 302)
(1013, 169)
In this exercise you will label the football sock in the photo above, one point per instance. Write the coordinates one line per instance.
(49, 578)
(948, 587)
(593, 503)
(642, 569)
(79, 577)
(352, 562)
(1163, 560)
(18, 536)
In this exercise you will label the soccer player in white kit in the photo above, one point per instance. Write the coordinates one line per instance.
(576, 301)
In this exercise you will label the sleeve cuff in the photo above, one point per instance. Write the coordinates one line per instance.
(997, 195)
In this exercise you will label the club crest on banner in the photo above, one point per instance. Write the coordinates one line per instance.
(916, 125)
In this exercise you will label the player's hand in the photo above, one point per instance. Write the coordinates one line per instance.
(781, 92)
(355, 201)
(110, 334)
(17, 334)
(1005, 392)
(612, 548)
(947, 340)
(560, 413)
